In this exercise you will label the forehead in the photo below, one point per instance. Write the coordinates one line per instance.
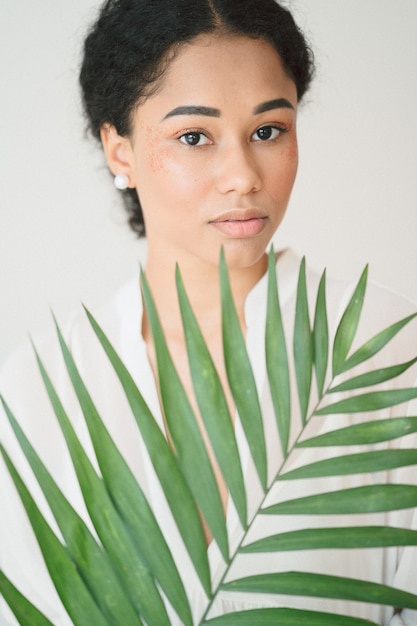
(214, 70)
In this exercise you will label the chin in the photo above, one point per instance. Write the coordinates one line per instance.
(245, 254)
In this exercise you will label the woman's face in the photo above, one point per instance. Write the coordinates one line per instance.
(213, 153)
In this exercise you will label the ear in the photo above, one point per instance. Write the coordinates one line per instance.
(118, 152)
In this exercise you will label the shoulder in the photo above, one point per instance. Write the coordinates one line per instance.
(381, 307)
(377, 297)
(381, 304)
(21, 384)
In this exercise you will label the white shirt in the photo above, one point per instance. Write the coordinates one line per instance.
(121, 319)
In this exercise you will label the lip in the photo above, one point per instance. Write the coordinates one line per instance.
(240, 223)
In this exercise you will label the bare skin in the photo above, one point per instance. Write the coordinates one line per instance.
(213, 156)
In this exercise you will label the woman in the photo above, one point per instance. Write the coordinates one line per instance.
(195, 104)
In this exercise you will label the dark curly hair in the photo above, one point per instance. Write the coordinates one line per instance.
(127, 51)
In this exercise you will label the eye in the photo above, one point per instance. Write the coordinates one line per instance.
(267, 133)
(194, 138)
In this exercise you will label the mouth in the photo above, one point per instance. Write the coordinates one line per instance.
(240, 223)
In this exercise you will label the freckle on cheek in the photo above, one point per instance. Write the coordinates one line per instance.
(156, 155)
(155, 161)
(158, 159)
(293, 153)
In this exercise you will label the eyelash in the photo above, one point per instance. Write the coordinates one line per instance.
(195, 132)
(190, 133)
(278, 127)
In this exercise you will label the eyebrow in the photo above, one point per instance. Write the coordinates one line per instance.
(193, 110)
(278, 103)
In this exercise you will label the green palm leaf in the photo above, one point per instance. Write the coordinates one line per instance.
(241, 378)
(277, 358)
(286, 617)
(341, 538)
(368, 499)
(374, 461)
(365, 433)
(303, 344)
(373, 401)
(322, 586)
(375, 377)
(375, 345)
(348, 324)
(25, 612)
(321, 336)
(213, 405)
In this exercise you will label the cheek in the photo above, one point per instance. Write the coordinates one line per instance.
(292, 165)
(168, 184)
(167, 163)
(156, 156)
(292, 153)
(182, 177)
(283, 175)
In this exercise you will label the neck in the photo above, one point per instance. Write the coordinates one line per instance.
(202, 284)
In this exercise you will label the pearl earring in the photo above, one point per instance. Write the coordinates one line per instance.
(121, 182)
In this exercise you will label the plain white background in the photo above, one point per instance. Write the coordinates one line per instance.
(63, 237)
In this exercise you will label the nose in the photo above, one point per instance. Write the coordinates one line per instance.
(238, 171)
